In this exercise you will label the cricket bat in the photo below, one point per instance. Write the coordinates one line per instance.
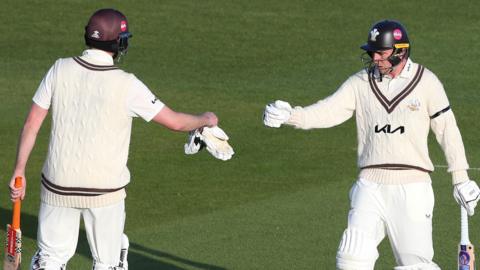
(466, 254)
(13, 249)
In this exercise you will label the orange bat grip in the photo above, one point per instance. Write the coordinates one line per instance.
(16, 206)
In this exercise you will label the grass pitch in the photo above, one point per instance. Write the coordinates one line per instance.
(281, 202)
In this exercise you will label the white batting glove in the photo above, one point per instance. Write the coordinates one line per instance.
(276, 113)
(123, 264)
(194, 143)
(467, 195)
(216, 141)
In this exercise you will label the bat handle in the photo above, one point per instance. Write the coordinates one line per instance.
(16, 206)
(464, 226)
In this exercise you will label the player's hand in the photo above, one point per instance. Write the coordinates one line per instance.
(276, 113)
(216, 141)
(17, 193)
(211, 119)
(467, 195)
(194, 143)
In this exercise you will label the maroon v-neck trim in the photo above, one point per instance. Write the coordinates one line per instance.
(390, 105)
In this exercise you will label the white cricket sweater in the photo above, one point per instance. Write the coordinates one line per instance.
(86, 165)
(393, 118)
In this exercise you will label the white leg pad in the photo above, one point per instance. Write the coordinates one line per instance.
(419, 266)
(346, 263)
(357, 250)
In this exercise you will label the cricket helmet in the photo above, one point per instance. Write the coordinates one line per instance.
(385, 35)
(107, 29)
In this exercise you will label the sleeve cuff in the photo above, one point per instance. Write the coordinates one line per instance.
(41, 104)
(154, 113)
(459, 177)
(296, 118)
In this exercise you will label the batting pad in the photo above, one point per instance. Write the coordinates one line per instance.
(357, 250)
(423, 266)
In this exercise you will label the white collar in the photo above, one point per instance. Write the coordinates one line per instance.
(407, 71)
(97, 57)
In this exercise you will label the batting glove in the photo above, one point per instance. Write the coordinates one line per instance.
(123, 264)
(216, 141)
(276, 113)
(467, 195)
(194, 143)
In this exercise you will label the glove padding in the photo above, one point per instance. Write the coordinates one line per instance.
(214, 139)
(277, 113)
(467, 195)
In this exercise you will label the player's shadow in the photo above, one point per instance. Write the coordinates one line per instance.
(139, 257)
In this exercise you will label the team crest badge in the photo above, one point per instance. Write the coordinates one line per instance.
(373, 34)
(414, 105)
(95, 34)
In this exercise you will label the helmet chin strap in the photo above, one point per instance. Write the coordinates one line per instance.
(118, 56)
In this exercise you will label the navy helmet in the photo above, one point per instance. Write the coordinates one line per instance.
(385, 35)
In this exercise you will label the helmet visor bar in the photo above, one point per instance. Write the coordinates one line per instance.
(123, 42)
(367, 61)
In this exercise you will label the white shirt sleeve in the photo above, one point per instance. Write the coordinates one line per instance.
(444, 126)
(43, 95)
(141, 102)
(328, 112)
(448, 136)
(438, 102)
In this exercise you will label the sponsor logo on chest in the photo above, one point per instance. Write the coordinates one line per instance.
(388, 129)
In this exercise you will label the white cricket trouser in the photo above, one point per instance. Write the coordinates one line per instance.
(403, 212)
(58, 229)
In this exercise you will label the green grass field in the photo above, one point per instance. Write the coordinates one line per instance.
(282, 201)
